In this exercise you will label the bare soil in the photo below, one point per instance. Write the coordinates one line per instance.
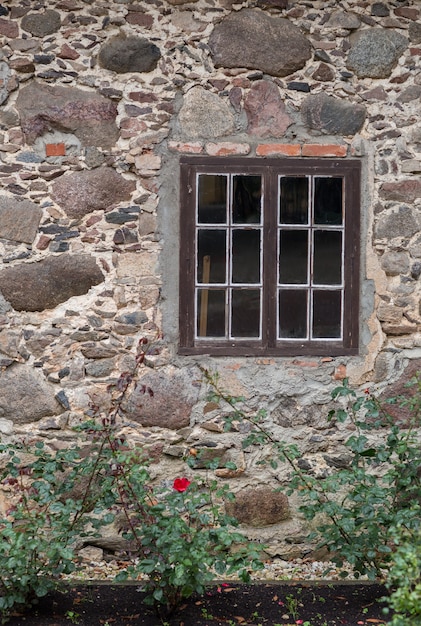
(224, 604)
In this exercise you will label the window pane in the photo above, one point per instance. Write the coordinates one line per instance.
(211, 252)
(211, 313)
(293, 314)
(246, 256)
(212, 199)
(327, 269)
(293, 256)
(328, 200)
(246, 201)
(245, 313)
(327, 314)
(293, 200)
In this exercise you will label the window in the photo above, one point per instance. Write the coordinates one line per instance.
(269, 256)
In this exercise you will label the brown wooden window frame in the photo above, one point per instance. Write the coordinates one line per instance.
(270, 169)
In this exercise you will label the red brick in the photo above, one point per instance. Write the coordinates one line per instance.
(286, 149)
(226, 148)
(192, 148)
(340, 372)
(55, 149)
(320, 150)
(305, 363)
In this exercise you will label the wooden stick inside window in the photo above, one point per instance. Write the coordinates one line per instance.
(203, 326)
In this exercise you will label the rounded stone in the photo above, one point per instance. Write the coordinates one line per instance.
(45, 108)
(265, 110)
(260, 506)
(250, 38)
(164, 399)
(204, 114)
(399, 223)
(395, 263)
(375, 52)
(44, 285)
(41, 24)
(19, 219)
(129, 54)
(80, 193)
(331, 115)
(25, 396)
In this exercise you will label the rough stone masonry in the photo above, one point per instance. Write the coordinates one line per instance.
(98, 100)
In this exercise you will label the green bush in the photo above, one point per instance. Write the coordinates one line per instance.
(177, 531)
(404, 580)
(355, 508)
(39, 529)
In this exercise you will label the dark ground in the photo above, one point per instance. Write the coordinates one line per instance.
(259, 604)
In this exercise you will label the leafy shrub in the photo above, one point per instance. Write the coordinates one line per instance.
(185, 541)
(178, 532)
(356, 507)
(39, 529)
(404, 579)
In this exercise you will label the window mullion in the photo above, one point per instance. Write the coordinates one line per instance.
(270, 257)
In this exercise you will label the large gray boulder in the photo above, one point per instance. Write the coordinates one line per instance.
(44, 285)
(19, 219)
(80, 193)
(25, 396)
(375, 52)
(332, 116)
(122, 54)
(250, 38)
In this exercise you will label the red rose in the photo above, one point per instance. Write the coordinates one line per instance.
(181, 484)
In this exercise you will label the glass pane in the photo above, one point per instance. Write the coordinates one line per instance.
(328, 200)
(327, 269)
(211, 313)
(327, 314)
(245, 313)
(211, 256)
(246, 256)
(293, 200)
(246, 201)
(212, 199)
(293, 256)
(293, 314)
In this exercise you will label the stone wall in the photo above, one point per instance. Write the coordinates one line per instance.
(98, 100)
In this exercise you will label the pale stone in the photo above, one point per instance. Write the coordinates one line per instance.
(204, 114)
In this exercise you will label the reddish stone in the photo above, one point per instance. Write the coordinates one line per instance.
(410, 14)
(265, 110)
(400, 79)
(22, 65)
(324, 73)
(378, 93)
(140, 19)
(402, 191)
(219, 83)
(66, 52)
(43, 242)
(141, 96)
(9, 29)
